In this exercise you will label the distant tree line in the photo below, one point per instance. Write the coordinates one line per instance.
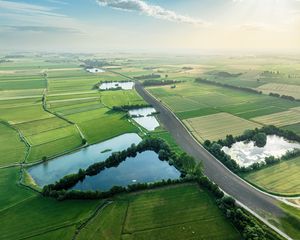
(142, 77)
(161, 82)
(92, 63)
(258, 135)
(245, 89)
(126, 108)
(183, 162)
(283, 96)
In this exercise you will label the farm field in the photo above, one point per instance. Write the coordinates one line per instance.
(12, 149)
(179, 212)
(282, 178)
(282, 89)
(285, 118)
(26, 214)
(218, 126)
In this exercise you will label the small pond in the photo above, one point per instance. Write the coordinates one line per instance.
(144, 168)
(114, 85)
(95, 70)
(144, 117)
(53, 170)
(245, 154)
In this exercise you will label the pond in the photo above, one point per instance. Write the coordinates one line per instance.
(95, 70)
(245, 154)
(144, 117)
(114, 85)
(53, 170)
(144, 168)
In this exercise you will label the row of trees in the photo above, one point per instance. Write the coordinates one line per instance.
(183, 162)
(245, 89)
(161, 82)
(283, 96)
(257, 135)
(142, 77)
(125, 108)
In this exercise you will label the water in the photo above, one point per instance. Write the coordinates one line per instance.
(245, 154)
(53, 170)
(95, 70)
(144, 168)
(114, 85)
(140, 116)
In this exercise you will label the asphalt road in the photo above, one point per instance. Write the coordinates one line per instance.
(227, 181)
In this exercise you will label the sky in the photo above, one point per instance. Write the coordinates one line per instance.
(150, 25)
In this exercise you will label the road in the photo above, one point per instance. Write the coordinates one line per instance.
(230, 183)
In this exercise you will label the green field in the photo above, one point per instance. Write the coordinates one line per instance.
(26, 214)
(282, 178)
(282, 89)
(180, 212)
(218, 126)
(12, 149)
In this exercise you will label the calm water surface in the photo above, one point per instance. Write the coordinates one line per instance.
(144, 168)
(143, 118)
(53, 170)
(245, 154)
(113, 85)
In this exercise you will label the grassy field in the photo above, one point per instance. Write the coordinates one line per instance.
(217, 126)
(12, 149)
(26, 214)
(181, 212)
(282, 178)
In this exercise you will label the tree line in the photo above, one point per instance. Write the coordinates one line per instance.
(161, 82)
(245, 89)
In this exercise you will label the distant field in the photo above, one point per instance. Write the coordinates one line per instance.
(217, 126)
(190, 99)
(282, 178)
(282, 89)
(12, 149)
(181, 212)
(280, 119)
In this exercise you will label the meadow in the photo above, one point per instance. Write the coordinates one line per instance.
(178, 212)
(282, 178)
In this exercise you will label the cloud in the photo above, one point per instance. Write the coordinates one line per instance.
(150, 10)
(42, 29)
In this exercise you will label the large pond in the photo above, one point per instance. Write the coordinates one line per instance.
(144, 168)
(95, 70)
(245, 154)
(53, 170)
(115, 85)
(145, 118)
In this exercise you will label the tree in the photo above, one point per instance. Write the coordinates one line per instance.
(260, 139)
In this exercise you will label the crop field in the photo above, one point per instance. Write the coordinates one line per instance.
(12, 149)
(217, 126)
(282, 178)
(25, 214)
(282, 89)
(121, 98)
(196, 99)
(280, 119)
(179, 212)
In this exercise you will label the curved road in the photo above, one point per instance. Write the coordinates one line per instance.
(233, 185)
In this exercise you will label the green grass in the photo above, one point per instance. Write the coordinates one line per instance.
(282, 178)
(25, 213)
(12, 149)
(121, 98)
(294, 127)
(178, 212)
(168, 138)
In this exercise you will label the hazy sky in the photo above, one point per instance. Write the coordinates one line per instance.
(94, 25)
